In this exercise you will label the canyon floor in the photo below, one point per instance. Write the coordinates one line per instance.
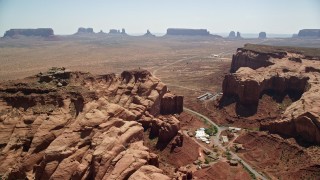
(189, 67)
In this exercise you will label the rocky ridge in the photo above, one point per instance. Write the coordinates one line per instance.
(73, 125)
(258, 70)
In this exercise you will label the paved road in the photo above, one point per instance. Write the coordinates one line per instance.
(218, 143)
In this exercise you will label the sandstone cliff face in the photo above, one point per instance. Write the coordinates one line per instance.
(279, 74)
(72, 125)
(171, 104)
(44, 32)
(252, 59)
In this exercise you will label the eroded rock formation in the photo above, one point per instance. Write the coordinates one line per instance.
(82, 30)
(148, 34)
(73, 125)
(187, 32)
(238, 35)
(232, 34)
(43, 32)
(259, 70)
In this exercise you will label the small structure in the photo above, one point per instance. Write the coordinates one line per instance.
(233, 162)
(234, 129)
(204, 166)
(206, 152)
(190, 134)
(238, 147)
(224, 139)
(213, 156)
(205, 96)
(201, 135)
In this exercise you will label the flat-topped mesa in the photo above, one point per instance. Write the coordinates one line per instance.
(278, 72)
(246, 57)
(43, 32)
(82, 30)
(187, 32)
(309, 33)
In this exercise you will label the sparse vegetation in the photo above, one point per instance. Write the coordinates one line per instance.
(212, 130)
(228, 154)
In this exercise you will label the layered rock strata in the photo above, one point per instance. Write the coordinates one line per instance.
(279, 73)
(73, 125)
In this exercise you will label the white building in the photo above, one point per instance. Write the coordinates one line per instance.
(202, 135)
(234, 129)
(225, 139)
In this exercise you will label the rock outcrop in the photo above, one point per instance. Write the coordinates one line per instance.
(278, 72)
(123, 31)
(309, 33)
(116, 31)
(187, 32)
(43, 32)
(82, 30)
(171, 104)
(262, 35)
(238, 35)
(149, 34)
(232, 34)
(73, 125)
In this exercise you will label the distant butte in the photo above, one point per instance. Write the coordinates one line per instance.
(187, 32)
(43, 32)
(309, 33)
(82, 30)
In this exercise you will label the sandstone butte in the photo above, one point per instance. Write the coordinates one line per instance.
(73, 125)
(279, 71)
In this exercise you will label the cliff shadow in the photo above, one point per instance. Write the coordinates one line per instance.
(227, 100)
(279, 97)
(246, 110)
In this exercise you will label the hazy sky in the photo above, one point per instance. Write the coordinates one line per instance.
(136, 16)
